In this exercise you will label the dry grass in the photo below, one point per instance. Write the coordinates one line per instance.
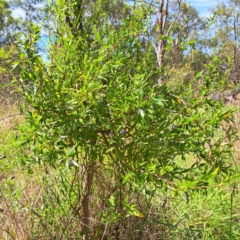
(10, 116)
(236, 126)
(18, 206)
(11, 180)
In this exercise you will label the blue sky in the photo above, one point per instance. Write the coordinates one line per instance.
(203, 6)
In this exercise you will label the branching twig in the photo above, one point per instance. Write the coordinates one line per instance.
(173, 22)
(12, 115)
(154, 46)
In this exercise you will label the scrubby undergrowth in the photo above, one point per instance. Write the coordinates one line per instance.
(35, 203)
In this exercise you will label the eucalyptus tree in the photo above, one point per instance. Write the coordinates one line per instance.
(7, 24)
(186, 33)
(225, 42)
(8, 51)
(175, 34)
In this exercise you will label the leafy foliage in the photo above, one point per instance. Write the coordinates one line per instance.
(109, 135)
(99, 106)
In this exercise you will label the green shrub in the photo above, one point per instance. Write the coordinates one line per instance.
(113, 136)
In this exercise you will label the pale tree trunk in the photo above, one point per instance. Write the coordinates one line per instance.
(162, 17)
(163, 31)
(235, 45)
